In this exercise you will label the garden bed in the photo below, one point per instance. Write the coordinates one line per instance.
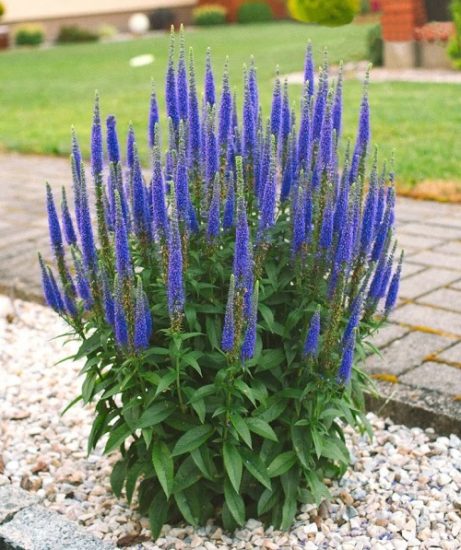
(402, 490)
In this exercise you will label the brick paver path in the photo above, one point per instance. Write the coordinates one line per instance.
(422, 346)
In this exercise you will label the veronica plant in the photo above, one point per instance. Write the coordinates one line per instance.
(224, 299)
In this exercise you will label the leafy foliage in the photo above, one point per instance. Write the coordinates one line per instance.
(254, 12)
(454, 46)
(221, 304)
(209, 14)
(375, 46)
(29, 35)
(324, 12)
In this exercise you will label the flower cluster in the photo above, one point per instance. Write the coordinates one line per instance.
(228, 289)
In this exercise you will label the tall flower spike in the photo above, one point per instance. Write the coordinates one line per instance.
(122, 248)
(212, 161)
(326, 231)
(311, 344)
(249, 122)
(228, 332)
(276, 110)
(285, 119)
(304, 145)
(354, 319)
(53, 224)
(214, 212)
(309, 69)
(249, 339)
(242, 255)
(83, 286)
(130, 147)
(97, 154)
(228, 217)
(171, 94)
(108, 300)
(138, 196)
(225, 110)
(194, 136)
(76, 151)
(141, 323)
(338, 105)
(267, 218)
(210, 94)
(299, 218)
(85, 227)
(48, 289)
(369, 214)
(183, 96)
(113, 148)
(363, 134)
(253, 83)
(59, 304)
(153, 117)
(175, 283)
(120, 320)
(393, 292)
(67, 223)
(347, 360)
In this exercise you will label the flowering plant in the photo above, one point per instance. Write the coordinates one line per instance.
(221, 301)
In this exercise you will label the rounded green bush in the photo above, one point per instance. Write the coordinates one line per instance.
(324, 12)
(31, 35)
(73, 33)
(209, 15)
(254, 12)
(375, 46)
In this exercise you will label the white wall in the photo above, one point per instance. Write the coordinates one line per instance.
(24, 10)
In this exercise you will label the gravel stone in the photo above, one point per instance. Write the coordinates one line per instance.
(402, 491)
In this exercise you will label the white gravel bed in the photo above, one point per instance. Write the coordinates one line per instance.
(403, 490)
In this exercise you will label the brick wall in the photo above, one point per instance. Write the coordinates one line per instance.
(400, 18)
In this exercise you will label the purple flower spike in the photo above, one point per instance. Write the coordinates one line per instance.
(212, 161)
(242, 255)
(338, 105)
(309, 70)
(130, 147)
(48, 289)
(299, 219)
(352, 324)
(228, 217)
(171, 96)
(194, 141)
(363, 135)
(86, 228)
(58, 301)
(138, 197)
(267, 218)
(345, 369)
(183, 96)
(249, 127)
(210, 94)
(253, 84)
(97, 154)
(120, 321)
(393, 291)
(159, 213)
(76, 153)
(225, 111)
(108, 300)
(319, 107)
(276, 111)
(122, 248)
(153, 118)
(113, 148)
(53, 224)
(67, 223)
(214, 212)
(304, 145)
(326, 232)
(83, 285)
(311, 344)
(249, 340)
(228, 333)
(175, 282)
(285, 121)
(141, 321)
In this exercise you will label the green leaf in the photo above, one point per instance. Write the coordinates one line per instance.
(185, 509)
(267, 315)
(244, 388)
(335, 450)
(117, 437)
(132, 476)
(300, 444)
(186, 476)
(256, 467)
(155, 414)
(200, 408)
(191, 361)
(158, 513)
(192, 439)
(267, 501)
(241, 428)
(204, 462)
(202, 392)
(156, 351)
(165, 381)
(318, 489)
(262, 428)
(317, 439)
(117, 477)
(234, 502)
(163, 466)
(281, 464)
(232, 464)
(88, 386)
(290, 483)
(270, 359)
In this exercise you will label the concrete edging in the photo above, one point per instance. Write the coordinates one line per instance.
(26, 525)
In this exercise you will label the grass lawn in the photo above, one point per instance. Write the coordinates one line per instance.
(45, 91)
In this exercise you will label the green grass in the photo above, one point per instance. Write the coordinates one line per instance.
(45, 91)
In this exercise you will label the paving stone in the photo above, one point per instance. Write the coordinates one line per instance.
(388, 334)
(435, 376)
(445, 233)
(447, 221)
(429, 318)
(456, 285)
(436, 259)
(451, 247)
(12, 500)
(426, 281)
(417, 241)
(406, 353)
(409, 268)
(444, 297)
(452, 354)
(37, 528)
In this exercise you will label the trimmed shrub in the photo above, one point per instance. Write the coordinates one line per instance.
(254, 12)
(209, 14)
(375, 46)
(162, 19)
(327, 12)
(454, 46)
(29, 35)
(75, 34)
(224, 303)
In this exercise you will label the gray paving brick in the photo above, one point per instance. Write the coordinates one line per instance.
(447, 221)
(435, 376)
(429, 318)
(444, 297)
(388, 334)
(435, 231)
(456, 285)
(426, 281)
(452, 354)
(407, 352)
(407, 240)
(409, 268)
(436, 259)
(450, 247)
